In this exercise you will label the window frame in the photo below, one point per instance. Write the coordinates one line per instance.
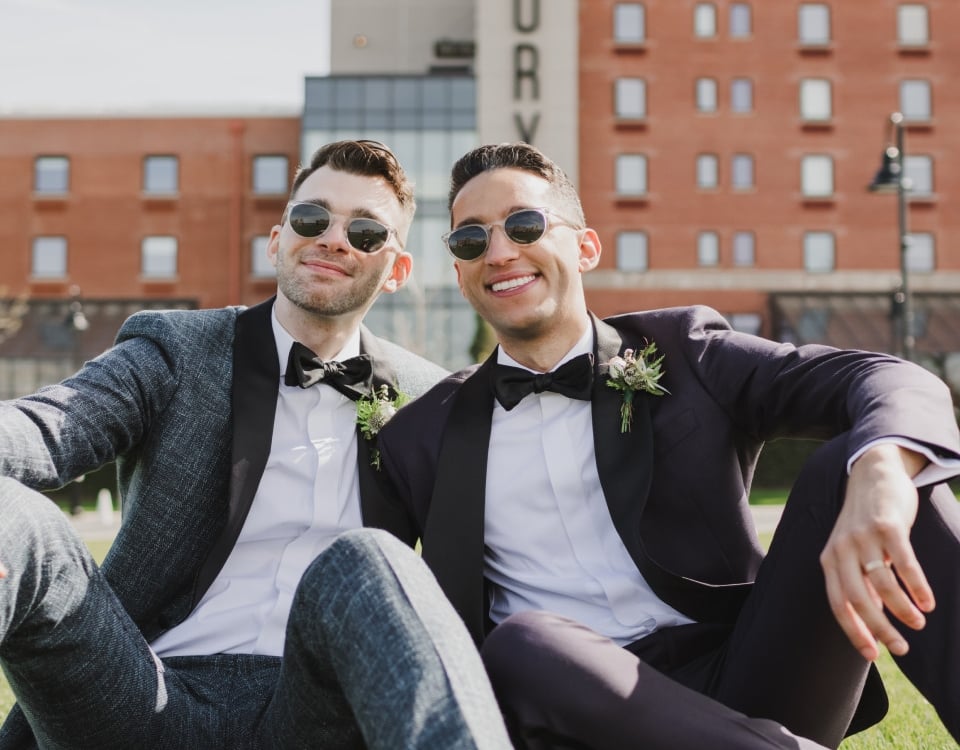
(699, 18)
(702, 237)
(626, 90)
(808, 250)
(924, 88)
(622, 169)
(642, 251)
(62, 187)
(704, 164)
(700, 90)
(62, 265)
(738, 87)
(904, 23)
(160, 190)
(619, 8)
(808, 90)
(736, 169)
(158, 274)
(804, 19)
(282, 187)
(807, 167)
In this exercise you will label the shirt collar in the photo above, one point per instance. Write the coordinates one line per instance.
(583, 346)
(285, 341)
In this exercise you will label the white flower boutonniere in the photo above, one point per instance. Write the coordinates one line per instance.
(374, 411)
(635, 371)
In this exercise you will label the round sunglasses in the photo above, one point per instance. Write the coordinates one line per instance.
(363, 234)
(523, 227)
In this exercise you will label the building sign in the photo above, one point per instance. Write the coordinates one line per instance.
(527, 75)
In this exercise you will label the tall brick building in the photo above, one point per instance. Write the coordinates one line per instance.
(722, 149)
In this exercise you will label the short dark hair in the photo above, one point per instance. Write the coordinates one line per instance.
(362, 157)
(517, 156)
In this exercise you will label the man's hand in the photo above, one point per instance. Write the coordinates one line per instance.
(3, 571)
(868, 561)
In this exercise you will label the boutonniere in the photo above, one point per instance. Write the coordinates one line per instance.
(374, 411)
(635, 371)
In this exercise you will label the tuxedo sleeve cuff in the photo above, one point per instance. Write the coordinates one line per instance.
(939, 469)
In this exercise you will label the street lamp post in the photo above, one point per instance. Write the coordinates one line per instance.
(890, 178)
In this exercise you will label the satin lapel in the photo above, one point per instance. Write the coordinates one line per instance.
(256, 378)
(624, 459)
(453, 534)
(371, 497)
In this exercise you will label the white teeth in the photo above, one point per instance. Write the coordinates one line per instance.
(502, 286)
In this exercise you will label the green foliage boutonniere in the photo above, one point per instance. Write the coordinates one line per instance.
(374, 411)
(635, 371)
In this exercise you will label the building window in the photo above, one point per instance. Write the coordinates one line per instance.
(270, 175)
(705, 20)
(915, 99)
(631, 174)
(706, 95)
(740, 21)
(631, 98)
(260, 265)
(49, 258)
(161, 175)
(921, 257)
(629, 24)
(918, 174)
(745, 323)
(815, 100)
(816, 176)
(51, 175)
(744, 245)
(813, 23)
(632, 251)
(158, 257)
(913, 27)
(741, 171)
(818, 252)
(707, 171)
(741, 95)
(708, 249)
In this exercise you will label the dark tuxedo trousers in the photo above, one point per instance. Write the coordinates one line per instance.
(676, 486)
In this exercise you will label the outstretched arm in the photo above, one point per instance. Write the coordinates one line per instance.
(868, 561)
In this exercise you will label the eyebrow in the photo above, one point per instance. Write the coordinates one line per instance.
(357, 213)
(476, 220)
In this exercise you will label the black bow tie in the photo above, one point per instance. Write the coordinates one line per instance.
(304, 368)
(572, 379)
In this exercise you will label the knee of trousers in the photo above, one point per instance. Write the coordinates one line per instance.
(517, 650)
(28, 516)
(354, 559)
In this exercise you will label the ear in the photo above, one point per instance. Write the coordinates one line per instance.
(273, 244)
(402, 266)
(589, 250)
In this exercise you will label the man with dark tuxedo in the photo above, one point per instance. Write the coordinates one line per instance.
(242, 605)
(582, 497)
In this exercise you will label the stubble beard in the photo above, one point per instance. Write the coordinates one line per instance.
(327, 300)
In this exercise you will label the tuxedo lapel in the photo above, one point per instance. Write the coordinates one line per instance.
(372, 502)
(256, 378)
(624, 459)
(453, 534)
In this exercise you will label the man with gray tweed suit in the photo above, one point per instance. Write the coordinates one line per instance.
(243, 603)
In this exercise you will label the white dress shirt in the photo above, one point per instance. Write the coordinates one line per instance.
(550, 541)
(308, 494)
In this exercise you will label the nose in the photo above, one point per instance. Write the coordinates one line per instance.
(335, 236)
(501, 249)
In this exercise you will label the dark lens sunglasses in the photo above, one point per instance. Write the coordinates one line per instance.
(363, 234)
(522, 227)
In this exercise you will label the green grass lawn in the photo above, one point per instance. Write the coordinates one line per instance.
(911, 724)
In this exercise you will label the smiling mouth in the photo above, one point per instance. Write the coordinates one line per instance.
(503, 286)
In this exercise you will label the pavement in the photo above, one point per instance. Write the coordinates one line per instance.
(97, 526)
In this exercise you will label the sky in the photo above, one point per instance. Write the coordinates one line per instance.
(110, 56)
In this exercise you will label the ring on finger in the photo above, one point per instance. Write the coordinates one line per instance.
(872, 565)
